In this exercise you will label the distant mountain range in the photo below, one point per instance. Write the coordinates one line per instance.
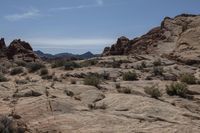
(86, 55)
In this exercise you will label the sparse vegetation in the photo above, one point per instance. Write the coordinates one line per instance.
(118, 85)
(158, 71)
(177, 88)
(92, 80)
(188, 78)
(16, 70)
(90, 62)
(153, 91)
(125, 90)
(33, 67)
(3, 78)
(3, 69)
(22, 81)
(157, 62)
(44, 71)
(7, 125)
(71, 65)
(130, 76)
(58, 63)
(21, 63)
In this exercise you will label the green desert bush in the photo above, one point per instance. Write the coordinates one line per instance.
(44, 71)
(3, 78)
(153, 91)
(33, 67)
(177, 88)
(92, 80)
(16, 70)
(130, 76)
(188, 78)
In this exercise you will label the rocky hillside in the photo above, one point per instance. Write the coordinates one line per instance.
(17, 50)
(177, 38)
(143, 88)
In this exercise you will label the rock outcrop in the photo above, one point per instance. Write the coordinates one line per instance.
(177, 38)
(18, 50)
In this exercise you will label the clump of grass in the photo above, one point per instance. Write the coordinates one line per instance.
(44, 71)
(92, 80)
(33, 67)
(130, 76)
(153, 91)
(188, 78)
(158, 71)
(177, 88)
(71, 65)
(16, 70)
(157, 62)
(3, 78)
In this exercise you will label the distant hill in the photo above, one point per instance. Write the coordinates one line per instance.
(86, 55)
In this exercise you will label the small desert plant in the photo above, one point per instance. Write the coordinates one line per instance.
(71, 65)
(58, 63)
(3, 78)
(21, 63)
(130, 76)
(90, 62)
(16, 70)
(105, 75)
(158, 71)
(188, 78)
(44, 71)
(144, 64)
(73, 81)
(22, 81)
(153, 91)
(157, 62)
(125, 90)
(3, 69)
(92, 80)
(118, 85)
(177, 88)
(47, 77)
(33, 67)
(9, 125)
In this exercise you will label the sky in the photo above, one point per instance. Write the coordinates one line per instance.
(78, 26)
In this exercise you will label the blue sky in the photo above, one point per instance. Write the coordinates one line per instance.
(78, 26)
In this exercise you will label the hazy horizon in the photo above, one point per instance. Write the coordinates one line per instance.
(77, 26)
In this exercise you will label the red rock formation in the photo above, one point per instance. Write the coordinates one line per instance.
(21, 50)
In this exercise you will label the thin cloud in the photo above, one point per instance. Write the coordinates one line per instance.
(26, 15)
(98, 3)
(63, 42)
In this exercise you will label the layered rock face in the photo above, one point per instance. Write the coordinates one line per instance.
(177, 38)
(18, 50)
